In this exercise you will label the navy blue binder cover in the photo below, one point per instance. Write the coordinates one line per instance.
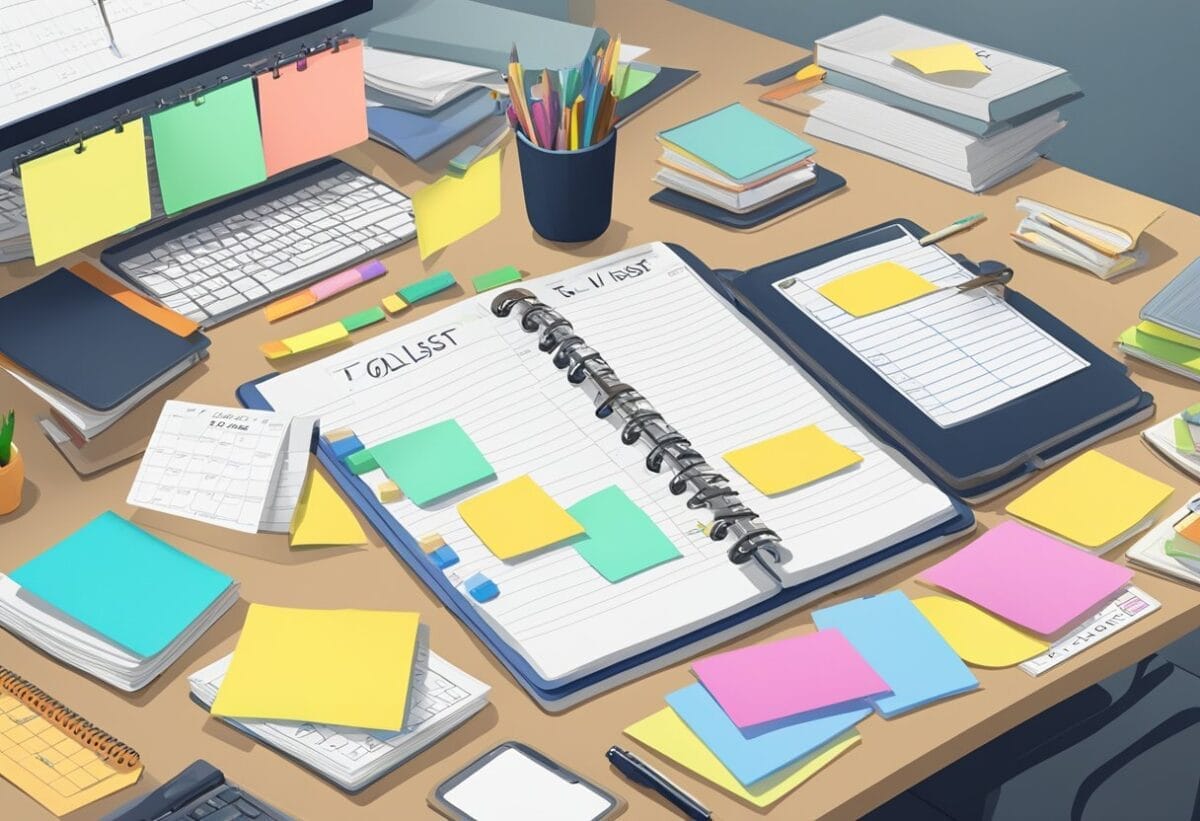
(665, 81)
(85, 344)
(975, 456)
(826, 183)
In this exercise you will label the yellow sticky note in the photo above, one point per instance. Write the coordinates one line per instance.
(948, 57)
(812, 71)
(666, 733)
(345, 667)
(453, 207)
(1091, 500)
(791, 459)
(517, 517)
(322, 517)
(307, 341)
(977, 636)
(876, 288)
(74, 199)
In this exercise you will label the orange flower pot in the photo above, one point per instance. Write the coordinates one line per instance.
(12, 481)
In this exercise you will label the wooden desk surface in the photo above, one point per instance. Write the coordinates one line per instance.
(170, 731)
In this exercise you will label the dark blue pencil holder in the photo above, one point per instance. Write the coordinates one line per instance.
(568, 194)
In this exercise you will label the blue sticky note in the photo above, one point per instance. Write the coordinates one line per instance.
(752, 758)
(903, 647)
(345, 447)
(443, 557)
(737, 142)
(481, 588)
(620, 539)
(128, 586)
(432, 462)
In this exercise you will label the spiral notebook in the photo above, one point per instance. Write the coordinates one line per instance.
(661, 378)
(53, 754)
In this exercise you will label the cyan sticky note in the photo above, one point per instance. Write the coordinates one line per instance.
(344, 447)
(426, 287)
(361, 462)
(128, 586)
(432, 462)
(903, 648)
(740, 143)
(481, 588)
(1192, 414)
(443, 557)
(752, 758)
(619, 539)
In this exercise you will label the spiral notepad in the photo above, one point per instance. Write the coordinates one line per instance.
(55, 755)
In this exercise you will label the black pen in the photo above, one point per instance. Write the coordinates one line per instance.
(639, 772)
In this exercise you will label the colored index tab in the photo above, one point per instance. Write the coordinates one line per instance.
(433, 461)
(1091, 500)
(452, 207)
(481, 588)
(307, 341)
(346, 667)
(310, 114)
(768, 682)
(938, 59)
(494, 279)
(903, 648)
(1184, 443)
(322, 517)
(74, 199)
(620, 539)
(753, 758)
(363, 318)
(518, 517)
(128, 586)
(791, 460)
(629, 80)
(979, 638)
(876, 288)
(1192, 414)
(361, 462)
(1028, 578)
(667, 734)
(426, 287)
(208, 147)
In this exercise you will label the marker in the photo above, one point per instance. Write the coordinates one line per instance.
(639, 772)
(953, 228)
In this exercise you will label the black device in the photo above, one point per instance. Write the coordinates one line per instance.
(199, 793)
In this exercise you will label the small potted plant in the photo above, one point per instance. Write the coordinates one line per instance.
(12, 467)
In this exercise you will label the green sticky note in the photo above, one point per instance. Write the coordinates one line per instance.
(208, 147)
(1171, 352)
(1181, 548)
(426, 287)
(494, 279)
(629, 80)
(363, 318)
(361, 461)
(1192, 414)
(432, 462)
(1183, 437)
(619, 539)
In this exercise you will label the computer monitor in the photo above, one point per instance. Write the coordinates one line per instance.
(60, 73)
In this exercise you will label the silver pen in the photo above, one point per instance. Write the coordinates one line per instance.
(112, 41)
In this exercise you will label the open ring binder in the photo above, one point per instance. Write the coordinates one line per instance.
(710, 489)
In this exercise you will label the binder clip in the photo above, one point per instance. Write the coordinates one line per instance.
(80, 148)
(990, 273)
(277, 63)
(302, 60)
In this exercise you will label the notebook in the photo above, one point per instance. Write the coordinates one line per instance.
(659, 319)
(736, 142)
(53, 754)
(1175, 306)
(1088, 212)
(416, 136)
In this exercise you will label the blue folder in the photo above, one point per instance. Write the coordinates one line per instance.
(416, 136)
(979, 457)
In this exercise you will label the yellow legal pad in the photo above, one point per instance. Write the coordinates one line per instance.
(666, 733)
(1091, 500)
(347, 667)
(517, 517)
(978, 637)
(877, 288)
(791, 459)
(453, 207)
(322, 517)
(948, 57)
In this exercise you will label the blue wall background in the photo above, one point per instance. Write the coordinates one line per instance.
(1139, 123)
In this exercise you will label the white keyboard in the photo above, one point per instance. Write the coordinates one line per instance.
(14, 230)
(255, 250)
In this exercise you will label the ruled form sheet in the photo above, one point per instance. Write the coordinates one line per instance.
(954, 355)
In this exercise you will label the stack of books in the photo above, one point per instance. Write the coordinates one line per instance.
(963, 113)
(1168, 334)
(734, 159)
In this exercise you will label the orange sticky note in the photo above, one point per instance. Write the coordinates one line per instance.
(313, 113)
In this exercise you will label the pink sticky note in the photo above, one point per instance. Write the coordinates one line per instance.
(336, 284)
(1031, 579)
(780, 679)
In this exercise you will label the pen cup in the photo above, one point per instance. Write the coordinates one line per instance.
(568, 194)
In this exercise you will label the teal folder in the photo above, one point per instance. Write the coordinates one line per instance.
(737, 142)
(119, 581)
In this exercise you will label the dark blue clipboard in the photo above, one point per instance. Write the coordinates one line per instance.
(547, 693)
(973, 458)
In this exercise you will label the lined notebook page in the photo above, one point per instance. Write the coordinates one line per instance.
(718, 381)
(954, 355)
(563, 616)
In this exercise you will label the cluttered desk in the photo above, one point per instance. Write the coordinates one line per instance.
(407, 451)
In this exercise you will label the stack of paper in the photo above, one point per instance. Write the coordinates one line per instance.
(420, 83)
(734, 159)
(960, 112)
(350, 693)
(114, 601)
(14, 227)
(1173, 547)
(1168, 334)
(1175, 438)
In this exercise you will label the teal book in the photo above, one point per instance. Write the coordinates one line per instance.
(738, 143)
(119, 581)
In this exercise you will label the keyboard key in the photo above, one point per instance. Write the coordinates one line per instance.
(202, 812)
(226, 814)
(248, 809)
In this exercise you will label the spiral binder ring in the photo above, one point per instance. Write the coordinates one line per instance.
(570, 353)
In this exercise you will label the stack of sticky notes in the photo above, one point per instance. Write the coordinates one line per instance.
(114, 601)
(734, 159)
(1093, 502)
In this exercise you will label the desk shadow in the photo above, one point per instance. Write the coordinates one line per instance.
(1016, 181)
(1148, 371)
(223, 732)
(612, 240)
(30, 493)
(101, 808)
(1157, 253)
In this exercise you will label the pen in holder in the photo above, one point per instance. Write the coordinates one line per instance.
(568, 194)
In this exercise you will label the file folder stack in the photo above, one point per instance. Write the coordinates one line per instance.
(963, 113)
(1168, 334)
